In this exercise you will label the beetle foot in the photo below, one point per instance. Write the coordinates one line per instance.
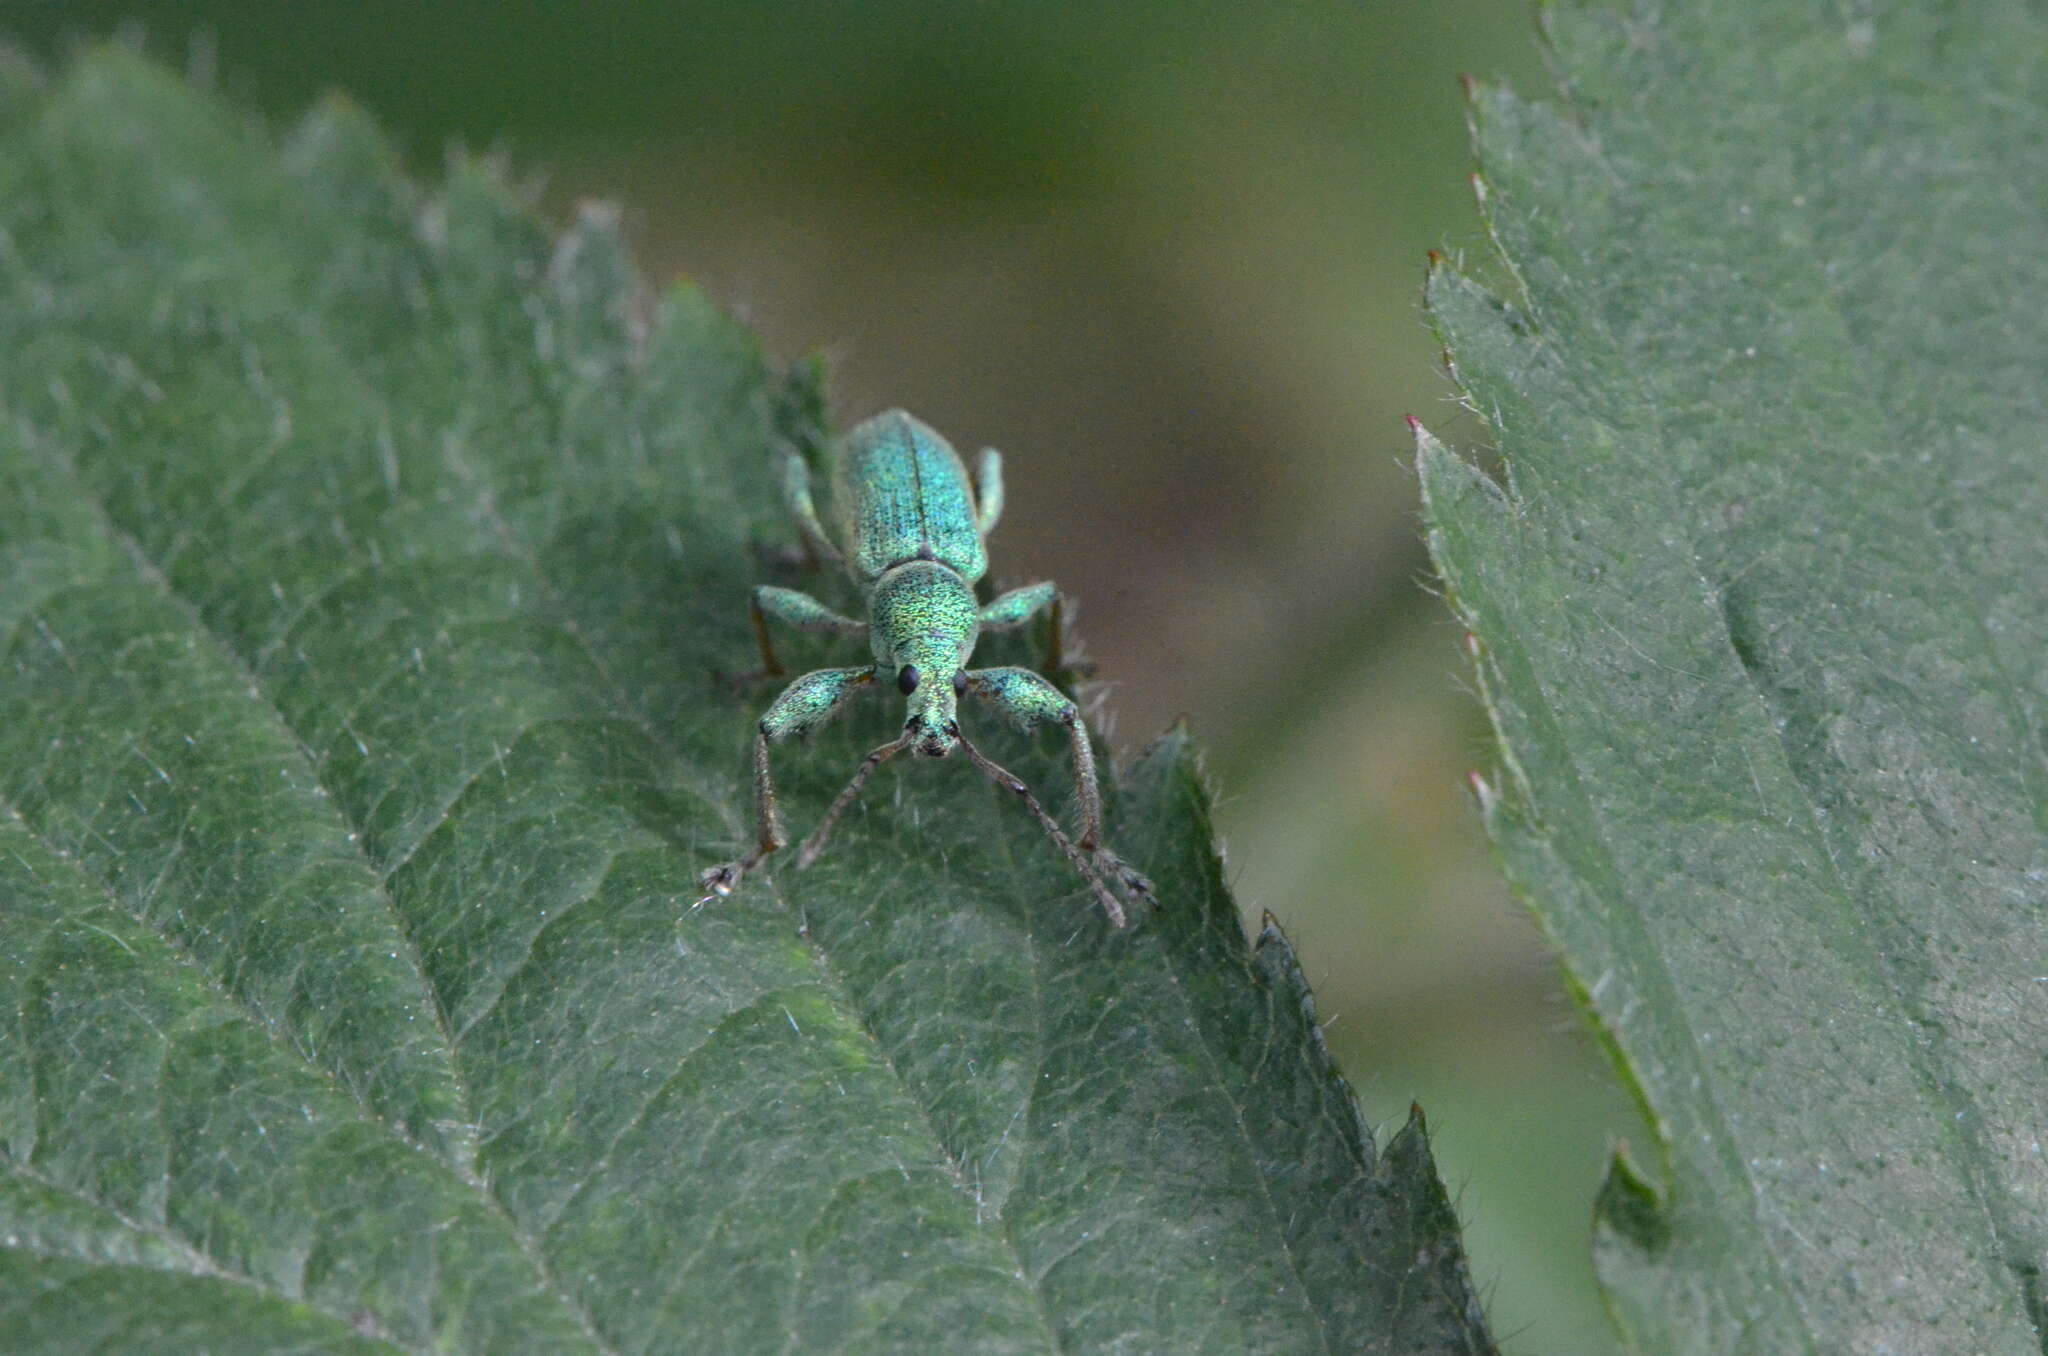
(719, 882)
(1128, 880)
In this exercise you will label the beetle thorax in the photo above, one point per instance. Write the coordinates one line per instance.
(923, 613)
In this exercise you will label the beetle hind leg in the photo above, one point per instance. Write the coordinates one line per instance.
(796, 495)
(988, 490)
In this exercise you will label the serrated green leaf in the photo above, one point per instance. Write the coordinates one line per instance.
(363, 573)
(1761, 628)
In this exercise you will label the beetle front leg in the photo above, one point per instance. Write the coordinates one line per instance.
(815, 843)
(1028, 699)
(1128, 878)
(804, 705)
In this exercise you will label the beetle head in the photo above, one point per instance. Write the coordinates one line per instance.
(923, 620)
(933, 690)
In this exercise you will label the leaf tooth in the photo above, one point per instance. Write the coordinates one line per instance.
(1630, 1206)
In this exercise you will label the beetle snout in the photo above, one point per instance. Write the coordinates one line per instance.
(934, 741)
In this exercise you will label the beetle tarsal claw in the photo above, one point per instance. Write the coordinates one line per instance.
(1128, 878)
(718, 883)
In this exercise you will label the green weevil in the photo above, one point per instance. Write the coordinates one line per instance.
(912, 537)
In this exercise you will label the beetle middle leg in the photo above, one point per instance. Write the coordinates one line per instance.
(1006, 611)
(794, 609)
(804, 705)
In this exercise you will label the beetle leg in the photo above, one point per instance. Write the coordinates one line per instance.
(1128, 878)
(1028, 700)
(1083, 866)
(799, 610)
(1056, 662)
(988, 490)
(796, 493)
(814, 843)
(805, 704)
(1018, 606)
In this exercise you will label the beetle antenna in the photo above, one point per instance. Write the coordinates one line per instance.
(1009, 781)
(815, 843)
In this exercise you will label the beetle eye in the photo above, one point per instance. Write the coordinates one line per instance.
(906, 679)
(959, 682)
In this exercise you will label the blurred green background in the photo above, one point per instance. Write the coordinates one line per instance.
(1166, 256)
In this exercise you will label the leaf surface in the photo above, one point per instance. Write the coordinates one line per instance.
(365, 560)
(1759, 611)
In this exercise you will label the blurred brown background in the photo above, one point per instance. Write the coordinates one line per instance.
(1167, 257)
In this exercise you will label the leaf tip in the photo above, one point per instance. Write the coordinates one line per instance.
(1274, 956)
(1274, 959)
(1429, 452)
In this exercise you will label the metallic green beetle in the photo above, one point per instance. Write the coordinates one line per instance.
(912, 528)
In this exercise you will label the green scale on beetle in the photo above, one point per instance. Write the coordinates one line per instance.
(911, 536)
